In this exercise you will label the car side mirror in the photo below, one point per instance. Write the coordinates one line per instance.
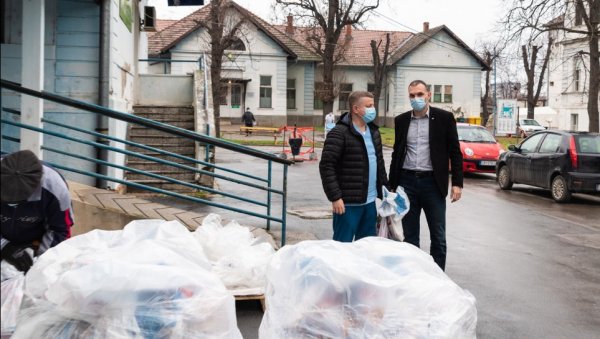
(513, 148)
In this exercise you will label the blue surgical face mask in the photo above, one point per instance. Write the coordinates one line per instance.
(370, 114)
(418, 104)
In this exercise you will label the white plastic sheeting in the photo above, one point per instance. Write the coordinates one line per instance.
(150, 280)
(239, 259)
(371, 288)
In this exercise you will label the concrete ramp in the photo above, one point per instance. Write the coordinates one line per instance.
(95, 208)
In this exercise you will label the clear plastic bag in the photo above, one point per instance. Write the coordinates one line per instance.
(392, 208)
(150, 280)
(12, 296)
(371, 288)
(239, 259)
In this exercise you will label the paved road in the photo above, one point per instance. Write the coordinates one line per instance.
(532, 264)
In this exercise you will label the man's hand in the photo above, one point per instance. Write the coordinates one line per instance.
(456, 193)
(17, 256)
(338, 207)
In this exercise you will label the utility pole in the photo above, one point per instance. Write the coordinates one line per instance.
(495, 108)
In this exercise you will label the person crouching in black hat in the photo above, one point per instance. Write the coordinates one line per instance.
(36, 208)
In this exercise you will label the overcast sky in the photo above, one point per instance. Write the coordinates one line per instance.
(471, 20)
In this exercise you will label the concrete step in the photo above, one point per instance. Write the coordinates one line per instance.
(178, 175)
(163, 110)
(189, 125)
(144, 165)
(161, 185)
(158, 139)
(186, 150)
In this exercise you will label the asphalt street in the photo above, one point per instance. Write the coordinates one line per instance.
(532, 264)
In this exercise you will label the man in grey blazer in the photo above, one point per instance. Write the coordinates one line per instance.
(426, 149)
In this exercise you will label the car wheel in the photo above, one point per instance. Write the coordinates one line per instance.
(559, 189)
(503, 178)
(523, 134)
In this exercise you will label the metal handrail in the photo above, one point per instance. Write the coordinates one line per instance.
(144, 122)
(155, 125)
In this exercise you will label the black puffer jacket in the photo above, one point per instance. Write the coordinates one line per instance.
(344, 165)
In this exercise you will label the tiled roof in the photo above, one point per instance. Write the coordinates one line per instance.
(358, 49)
(420, 38)
(161, 24)
(165, 39)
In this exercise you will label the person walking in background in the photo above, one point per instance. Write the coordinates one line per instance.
(352, 169)
(329, 122)
(426, 142)
(36, 208)
(248, 120)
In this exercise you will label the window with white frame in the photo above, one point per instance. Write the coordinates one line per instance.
(371, 88)
(223, 95)
(266, 92)
(577, 77)
(345, 90)
(236, 95)
(318, 103)
(291, 93)
(441, 93)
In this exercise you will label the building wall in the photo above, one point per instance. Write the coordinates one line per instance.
(563, 96)
(441, 62)
(262, 57)
(71, 65)
(70, 69)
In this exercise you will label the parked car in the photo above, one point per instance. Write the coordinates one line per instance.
(479, 148)
(528, 126)
(563, 162)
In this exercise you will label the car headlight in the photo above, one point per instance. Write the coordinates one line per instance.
(469, 152)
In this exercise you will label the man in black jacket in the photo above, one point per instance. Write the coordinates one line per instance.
(248, 120)
(352, 169)
(426, 144)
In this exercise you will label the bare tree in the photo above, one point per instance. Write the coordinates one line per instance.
(576, 19)
(380, 67)
(491, 52)
(329, 17)
(529, 54)
(224, 30)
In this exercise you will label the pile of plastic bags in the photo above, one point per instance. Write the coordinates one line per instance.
(13, 282)
(150, 280)
(238, 258)
(372, 288)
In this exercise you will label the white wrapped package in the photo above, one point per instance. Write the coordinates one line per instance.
(12, 296)
(239, 259)
(151, 280)
(371, 288)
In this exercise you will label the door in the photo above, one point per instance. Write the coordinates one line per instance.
(521, 164)
(543, 161)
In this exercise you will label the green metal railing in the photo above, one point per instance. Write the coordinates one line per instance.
(238, 177)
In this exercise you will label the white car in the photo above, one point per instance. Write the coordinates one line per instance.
(528, 126)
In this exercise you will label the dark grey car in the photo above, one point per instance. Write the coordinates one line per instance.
(563, 162)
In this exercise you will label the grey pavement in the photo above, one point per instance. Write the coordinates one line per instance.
(531, 263)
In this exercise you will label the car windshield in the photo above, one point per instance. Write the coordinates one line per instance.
(588, 143)
(475, 134)
(529, 122)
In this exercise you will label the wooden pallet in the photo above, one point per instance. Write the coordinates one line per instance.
(260, 297)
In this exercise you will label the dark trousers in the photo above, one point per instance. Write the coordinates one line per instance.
(424, 194)
(357, 222)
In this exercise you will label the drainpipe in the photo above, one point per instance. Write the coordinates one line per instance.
(103, 74)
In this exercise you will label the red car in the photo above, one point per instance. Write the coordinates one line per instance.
(479, 148)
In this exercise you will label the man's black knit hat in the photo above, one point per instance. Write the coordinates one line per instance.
(21, 175)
